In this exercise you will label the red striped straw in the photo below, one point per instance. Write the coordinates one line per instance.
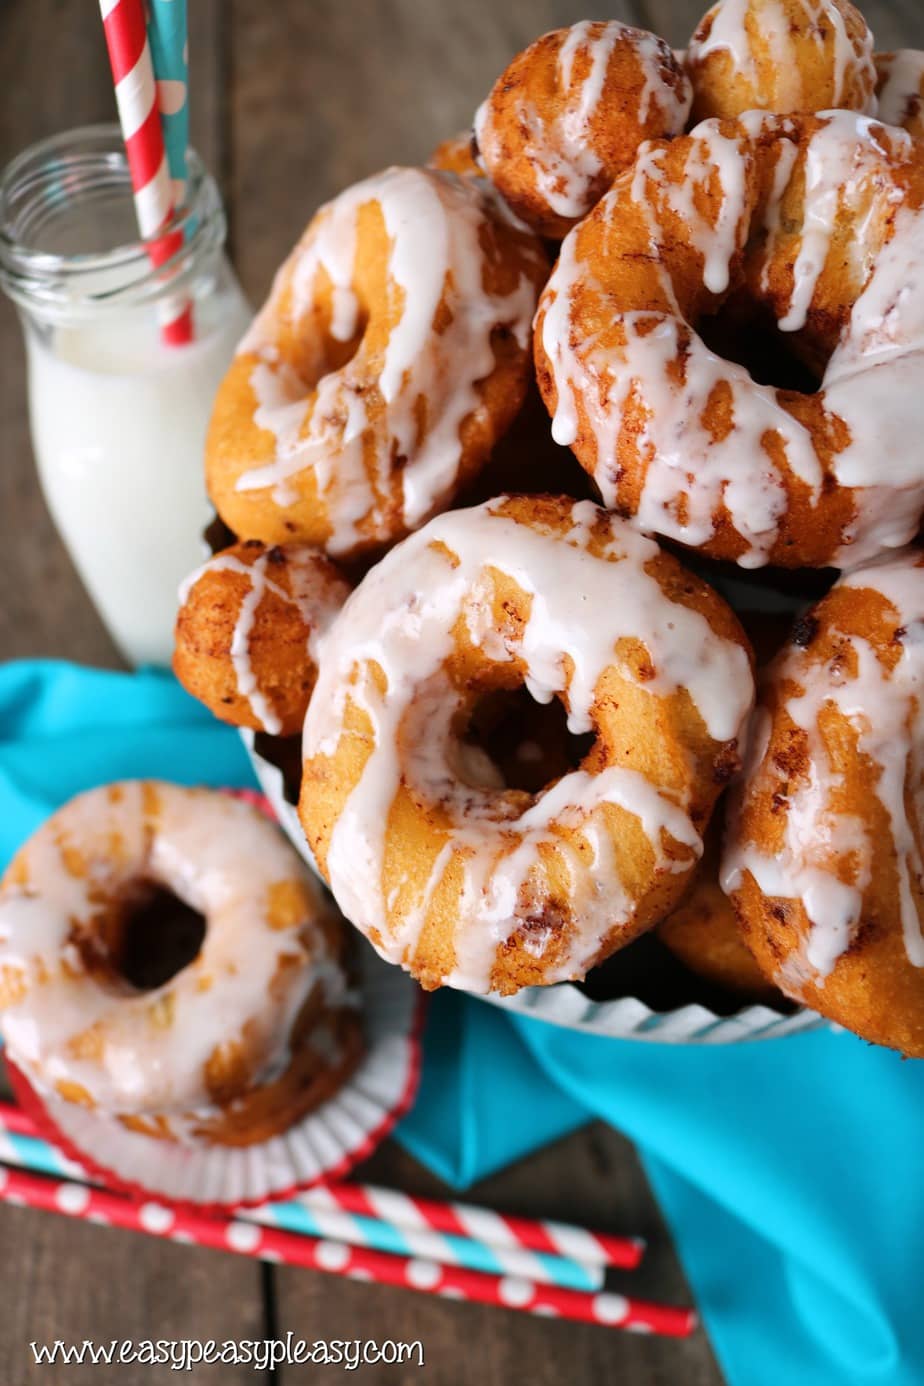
(139, 117)
(497, 1230)
(357, 1263)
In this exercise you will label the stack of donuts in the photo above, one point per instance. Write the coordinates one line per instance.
(531, 727)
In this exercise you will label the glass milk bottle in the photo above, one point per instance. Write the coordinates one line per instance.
(118, 416)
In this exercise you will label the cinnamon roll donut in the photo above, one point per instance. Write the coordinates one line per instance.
(824, 858)
(390, 357)
(569, 113)
(251, 1034)
(782, 56)
(901, 89)
(248, 628)
(450, 872)
(810, 228)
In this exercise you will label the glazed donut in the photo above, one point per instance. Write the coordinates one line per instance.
(257, 1030)
(248, 628)
(569, 113)
(388, 360)
(703, 935)
(901, 89)
(457, 155)
(448, 871)
(810, 225)
(782, 56)
(824, 857)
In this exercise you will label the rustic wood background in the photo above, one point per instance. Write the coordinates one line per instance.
(291, 101)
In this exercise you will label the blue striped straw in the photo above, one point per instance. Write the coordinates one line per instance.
(168, 37)
(33, 1153)
(306, 1214)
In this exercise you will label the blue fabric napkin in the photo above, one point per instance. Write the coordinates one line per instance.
(789, 1170)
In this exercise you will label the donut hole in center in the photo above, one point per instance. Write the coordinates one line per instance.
(747, 333)
(149, 938)
(310, 366)
(528, 742)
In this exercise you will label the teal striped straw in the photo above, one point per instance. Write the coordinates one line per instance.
(168, 37)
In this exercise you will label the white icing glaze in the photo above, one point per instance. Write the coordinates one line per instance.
(728, 34)
(434, 221)
(821, 22)
(565, 164)
(868, 382)
(713, 155)
(221, 857)
(830, 173)
(400, 621)
(901, 88)
(313, 592)
(827, 855)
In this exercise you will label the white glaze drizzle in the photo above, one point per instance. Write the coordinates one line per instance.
(901, 85)
(561, 152)
(221, 857)
(400, 621)
(434, 221)
(822, 22)
(868, 382)
(827, 855)
(314, 593)
(727, 34)
(773, 216)
(839, 173)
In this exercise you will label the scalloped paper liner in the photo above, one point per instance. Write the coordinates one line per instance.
(566, 1005)
(628, 1018)
(326, 1144)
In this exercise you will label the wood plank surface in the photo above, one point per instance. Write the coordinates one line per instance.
(291, 102)
(72, 1281)
(593, 1178)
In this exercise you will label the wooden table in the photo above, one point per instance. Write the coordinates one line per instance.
(292, 101)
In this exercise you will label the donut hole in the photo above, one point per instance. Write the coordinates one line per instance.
(341, 319)
(149, 937)
(310, 360)
(528, 742)
(747, 333)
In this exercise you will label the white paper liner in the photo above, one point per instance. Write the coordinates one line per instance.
(628, 1018)
(325, 1144)
(566, 1005)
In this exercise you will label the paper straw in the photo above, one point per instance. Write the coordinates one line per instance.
(90, 1204)
(168, 38)
(315, 1213)
(304, 1215)
(498, 1230)
(133, 75)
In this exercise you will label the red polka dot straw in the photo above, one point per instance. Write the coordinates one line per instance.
(248, 1238)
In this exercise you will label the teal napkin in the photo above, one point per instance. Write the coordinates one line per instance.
(789, 1170)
